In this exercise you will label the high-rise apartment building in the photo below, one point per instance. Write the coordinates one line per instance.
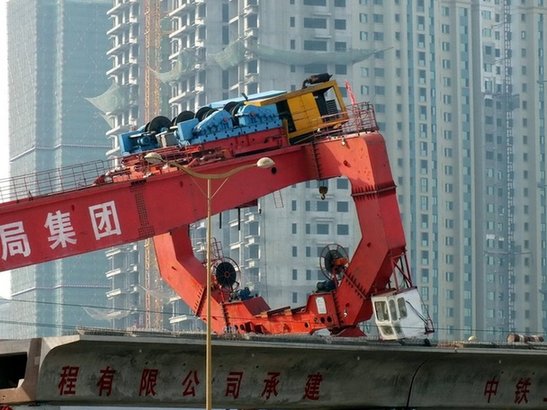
(56, 59)
(459, 93)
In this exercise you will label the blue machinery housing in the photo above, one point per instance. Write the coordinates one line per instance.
(301, 113)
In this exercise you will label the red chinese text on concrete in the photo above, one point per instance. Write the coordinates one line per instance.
(491, 388)
(522, 388)
(189, 383)
(233, 383)
(311, 391)
(69, 377)
(106, 380)
(270, 385)
(149, 379)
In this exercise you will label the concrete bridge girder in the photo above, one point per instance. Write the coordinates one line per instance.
(268, 372)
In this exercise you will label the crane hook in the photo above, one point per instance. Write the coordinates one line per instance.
(323, 189)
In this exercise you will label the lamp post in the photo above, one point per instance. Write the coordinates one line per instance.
(265, 162)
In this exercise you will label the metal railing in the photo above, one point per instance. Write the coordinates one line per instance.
(52, 181)
(357, 118)
(362, 118)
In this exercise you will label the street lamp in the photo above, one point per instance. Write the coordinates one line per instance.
(265, 162)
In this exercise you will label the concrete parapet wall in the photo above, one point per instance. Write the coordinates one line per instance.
(272, 373)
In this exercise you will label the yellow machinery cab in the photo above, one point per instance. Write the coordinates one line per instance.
(311, 109)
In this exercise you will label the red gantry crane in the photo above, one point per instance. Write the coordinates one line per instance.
(309, 134)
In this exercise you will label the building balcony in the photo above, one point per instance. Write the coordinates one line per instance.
(113, 272)
(250, 217)
(185, 7)
(116, 29)
(186, 94)
(174, 298)
(113, 252)
(120, 68)
(119, 129)
(123, 26)
(114, 70)
(250, 8)
(188, 28)
(320, 33)
(120, 6)
(251, 32)
(321, 13)
(181, 318)
(121, 46)
(176, 33)
(113, 293)
(114, 152)
(235, 246)
(174, 56)
(251, 78)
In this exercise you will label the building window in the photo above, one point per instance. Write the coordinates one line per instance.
(378, 36)
(294, 251)
(379, 90)
(315, 45)
(340, 46)
(315, 68)
(322, 206)
(322, 229)
(342, 206)
(341, 69)
(294, 274)
(311, 22)
(342, 183)
(293, 229)
(339, 24)
(254, 252)
(342, 229)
